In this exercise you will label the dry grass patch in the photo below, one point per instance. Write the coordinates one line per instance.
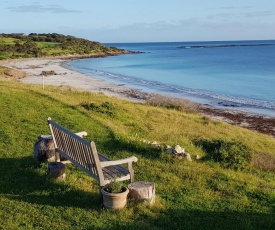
(6, 72)
(264, 162)
(173, 103)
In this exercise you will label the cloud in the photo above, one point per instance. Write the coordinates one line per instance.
(222, 15)
(37, 8)
(231, 8)
(239, 12)
(259, 14)
(193, 29)
(240, 15)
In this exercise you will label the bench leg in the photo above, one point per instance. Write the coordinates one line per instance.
(131, 170)
(57, 157)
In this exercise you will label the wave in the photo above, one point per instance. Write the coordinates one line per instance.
(221, 99)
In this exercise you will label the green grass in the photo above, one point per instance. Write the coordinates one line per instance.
(52, 48)
(48, 48)
(8, 41)
(47, 44)
(190, 195)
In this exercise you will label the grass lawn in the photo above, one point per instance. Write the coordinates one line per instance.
(8, 41)
(47, 44)
(202, 194)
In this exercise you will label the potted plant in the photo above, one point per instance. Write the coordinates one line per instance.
(114, 195)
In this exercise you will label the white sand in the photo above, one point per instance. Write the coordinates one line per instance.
(66, 77)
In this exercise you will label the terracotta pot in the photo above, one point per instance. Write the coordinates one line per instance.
(114, 200)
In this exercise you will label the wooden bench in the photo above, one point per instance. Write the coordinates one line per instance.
(84, 155)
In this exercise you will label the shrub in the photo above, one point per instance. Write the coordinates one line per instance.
(178, 104)
(115, 187)
(231, 155)
(104, 108)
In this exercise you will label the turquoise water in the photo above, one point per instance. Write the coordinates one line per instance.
(235, 74)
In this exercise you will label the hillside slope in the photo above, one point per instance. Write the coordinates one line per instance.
(202, 194)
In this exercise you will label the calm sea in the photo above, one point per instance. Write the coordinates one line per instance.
(235, 74)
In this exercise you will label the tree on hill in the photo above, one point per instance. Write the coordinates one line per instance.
(28, 45)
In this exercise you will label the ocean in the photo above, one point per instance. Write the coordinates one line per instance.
(225, 74)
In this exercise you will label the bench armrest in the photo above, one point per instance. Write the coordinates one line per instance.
(118, 162)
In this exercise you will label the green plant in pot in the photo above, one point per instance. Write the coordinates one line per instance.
(114, 195)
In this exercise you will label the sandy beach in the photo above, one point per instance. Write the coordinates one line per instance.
(60, 76)
(55, 74)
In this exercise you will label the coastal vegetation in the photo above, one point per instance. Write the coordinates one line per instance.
(51, 44)
(229, 184)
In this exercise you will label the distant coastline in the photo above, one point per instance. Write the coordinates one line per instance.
(223, 46)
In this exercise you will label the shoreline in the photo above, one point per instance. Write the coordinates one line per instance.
(59, 75)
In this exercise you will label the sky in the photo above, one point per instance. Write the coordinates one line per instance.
(110, 21)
